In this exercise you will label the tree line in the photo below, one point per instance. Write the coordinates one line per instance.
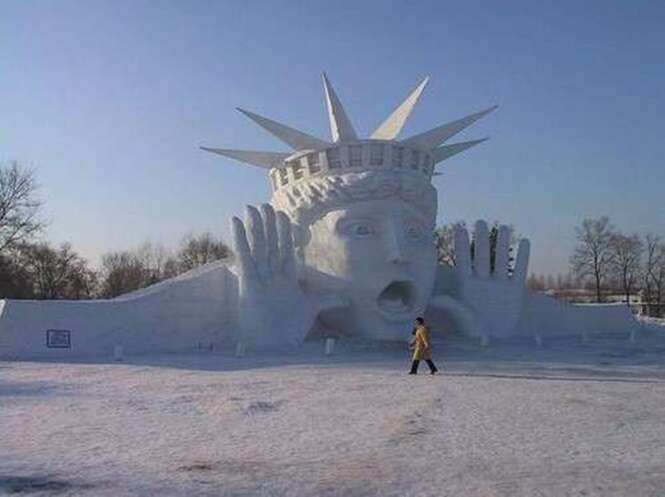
(33, 268)
(613, 260)
(604, 260)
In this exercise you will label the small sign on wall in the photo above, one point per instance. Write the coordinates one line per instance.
(58, 339)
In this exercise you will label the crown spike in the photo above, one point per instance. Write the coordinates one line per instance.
(292, 137)
(392, 126)
(435, 137)
(445, 152)
(265, 160)
(341, 128)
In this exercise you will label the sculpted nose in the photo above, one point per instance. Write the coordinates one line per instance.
(396, 252)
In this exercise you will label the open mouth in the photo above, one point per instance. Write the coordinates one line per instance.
(397, 299)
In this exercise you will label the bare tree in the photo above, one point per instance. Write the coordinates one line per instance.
(56, 273)
(593, 257)
(83, 282)
(444, 241)
(659, 280)
(121, 272)
(550, 282)
(158, 262)
(129, 270)
(15, 282)
(626, 261)
(202, 249)
(536, 282)
(559, 281)
(653, 261)
(19, 207)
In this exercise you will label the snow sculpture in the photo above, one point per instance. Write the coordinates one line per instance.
(273, 308)
(350, 246)
(344, 249)
(483, 302)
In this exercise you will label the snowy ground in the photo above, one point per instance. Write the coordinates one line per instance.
(654, 324)
(566, 419)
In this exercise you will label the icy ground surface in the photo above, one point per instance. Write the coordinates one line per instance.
(566, 419)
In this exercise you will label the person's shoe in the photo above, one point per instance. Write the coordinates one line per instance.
(434, 371)
(411, 372)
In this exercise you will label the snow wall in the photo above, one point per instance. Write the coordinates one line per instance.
(199, 310)
(546, 316)
(190, 311)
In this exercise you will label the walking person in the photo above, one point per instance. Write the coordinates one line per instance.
(422, 347)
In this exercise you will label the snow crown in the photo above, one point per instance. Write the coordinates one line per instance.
(351, 157)
(306, 201)
(315, 163)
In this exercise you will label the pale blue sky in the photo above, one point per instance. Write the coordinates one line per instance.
(110, 100)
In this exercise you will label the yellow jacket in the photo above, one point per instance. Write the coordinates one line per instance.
(423, 347)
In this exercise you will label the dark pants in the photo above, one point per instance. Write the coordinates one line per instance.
(416, 363)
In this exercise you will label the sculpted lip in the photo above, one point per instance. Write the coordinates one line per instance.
(397, 299)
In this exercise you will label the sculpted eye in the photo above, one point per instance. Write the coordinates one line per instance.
(362, 230)
(359, 229)
(415, 231)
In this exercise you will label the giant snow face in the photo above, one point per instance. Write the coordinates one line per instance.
(379, 255)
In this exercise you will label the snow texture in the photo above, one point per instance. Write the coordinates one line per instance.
(351, 255)
(566, 419)
(652, 324)
(198, 310)
(191, 311)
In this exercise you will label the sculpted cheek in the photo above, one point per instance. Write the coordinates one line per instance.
(325, 251)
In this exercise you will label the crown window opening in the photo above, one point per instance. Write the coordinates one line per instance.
(313, 163)
(313, 159)
(283, 177)
(334, 162)
(415, 159)
(356, 155)
(376, 154)
(398, 152)
(297, 169)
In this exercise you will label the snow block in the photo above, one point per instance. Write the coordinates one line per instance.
(546, 316)
(173, 315)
